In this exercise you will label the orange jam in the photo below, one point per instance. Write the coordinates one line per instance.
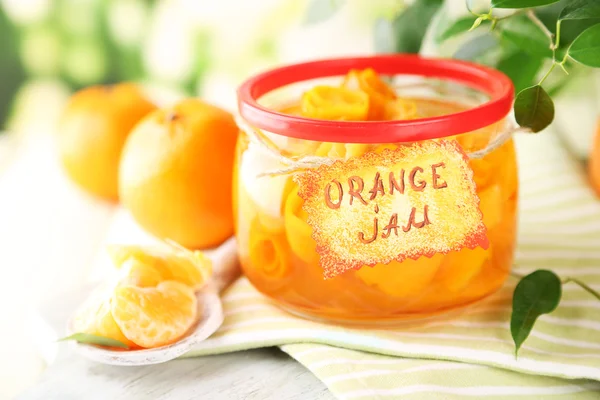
(278, 253)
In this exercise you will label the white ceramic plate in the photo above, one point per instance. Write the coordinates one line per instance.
(209, 307)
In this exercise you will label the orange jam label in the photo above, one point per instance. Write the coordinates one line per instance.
(412, 201)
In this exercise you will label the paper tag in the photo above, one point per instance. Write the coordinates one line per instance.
(412, 201)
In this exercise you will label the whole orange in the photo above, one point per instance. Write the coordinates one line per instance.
(176, 173)
(594, 163)
(92, 132)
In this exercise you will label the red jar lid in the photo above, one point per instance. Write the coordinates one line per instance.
(494, 83)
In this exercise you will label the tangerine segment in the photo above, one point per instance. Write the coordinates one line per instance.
(154, 317)
(94, 317)
(192, 268)
(137, 273)
(400, 279)
(333, 103)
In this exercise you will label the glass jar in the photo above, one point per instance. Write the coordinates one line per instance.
(455, 100)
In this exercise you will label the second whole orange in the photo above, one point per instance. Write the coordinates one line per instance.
(176, 173)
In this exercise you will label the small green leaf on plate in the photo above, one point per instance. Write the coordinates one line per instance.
(536, 294)
(581, 9)
(586, 47)
(521, 3)
(527, 36)
(459, 26)
(410, 26)
(320, 10)
(87, 338)
(534, 108)
(476, 47)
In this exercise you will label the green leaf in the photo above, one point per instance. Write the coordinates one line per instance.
(476, 47)
(521, 68)
(384, 36)
(521, 3)
(320, 10)
(459, 26)
(534, 108)
(87, 338)
(527, 36)
(581, 9)
(410, 26)
(569, 31)
(536, 294)
(586, 47)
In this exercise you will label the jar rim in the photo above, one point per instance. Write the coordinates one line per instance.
(492, 82)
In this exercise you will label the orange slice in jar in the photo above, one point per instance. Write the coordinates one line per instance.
(486, 169)
(491, 205)
(378, 91)
(474, 141)
(297, 230)
(268, 254)
(388, 146)
(341, 150)
(402, 279)
(157, 316)
(459, 268)
(489, 279)
(335, 103)
(400, 109)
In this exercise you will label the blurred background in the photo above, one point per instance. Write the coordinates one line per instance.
(51, 48)
(176, 47)
(49, 230)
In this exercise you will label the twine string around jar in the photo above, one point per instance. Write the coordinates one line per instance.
(292, 165)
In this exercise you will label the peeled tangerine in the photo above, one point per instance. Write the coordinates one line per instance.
(154, 303)
(95, 318)
(154, 316)
(146, 266)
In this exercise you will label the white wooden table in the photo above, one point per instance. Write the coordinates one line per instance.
(265, 374)
(50, 234)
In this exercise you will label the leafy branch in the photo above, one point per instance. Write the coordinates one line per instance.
(536, 294)
(523, 41)
(524, 30)
(519, 44)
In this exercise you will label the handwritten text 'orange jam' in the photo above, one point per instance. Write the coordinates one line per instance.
(395, 185)
(424, 189)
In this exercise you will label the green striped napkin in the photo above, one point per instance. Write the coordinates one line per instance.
(470, 354)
